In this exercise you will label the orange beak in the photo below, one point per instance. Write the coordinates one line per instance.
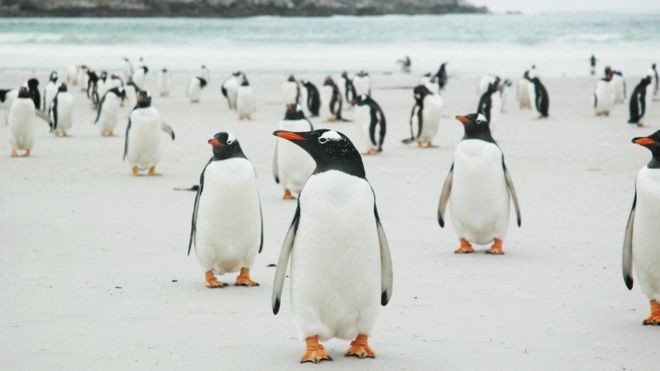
(289, 135)
(462, 119)
(644, 141)
(214, 142)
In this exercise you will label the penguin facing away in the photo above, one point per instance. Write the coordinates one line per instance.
(245, 100)
(291, 165)
(107, 114)
(61, 111)
(335, 242)
(290, 91)
(638, 101)
(640, 245)
(331, 101)
(195, 87)
(50, 90)
(362, 83)
(604, 95)
(313, 98)
(349, 88)
(229, 88)
(227, 223)
(372, 124)
(619, 86)
(164, 82)
(424, 117)
(441, 76)
(478, 189)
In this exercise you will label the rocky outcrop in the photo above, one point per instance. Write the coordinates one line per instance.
(230, 8)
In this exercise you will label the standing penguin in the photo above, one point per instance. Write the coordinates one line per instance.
(424, 117)
(341, 267)
(195, 87)
(656, 80)
(72, 75)
(83, 77)
(619, 84)
(372, 123)
(49, 91)
(21, 115)
(227, 223)
(441, 76)
(245, 100)
(640, 246)
(128, 69)
(639, 101)
(92, 87)
(331, 101)
(229, 88)
(349, 88)
(140, 75)
(164, 82)
(523, 92)
(405, 64)
(538, 94)
(107, 112)
(490, 104)
(142, 140)
(362, 83)
(604, 96)
(592, 64)
(102, 86)
(290, 91)
(61, 111)
(291, 165)
(33, 88)
(313, 98)
(478, 189)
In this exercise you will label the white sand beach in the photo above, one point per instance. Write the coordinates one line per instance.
(94, 273)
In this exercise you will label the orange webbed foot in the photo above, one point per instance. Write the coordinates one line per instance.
(135, 171)
(496, 249)
(287, 195)
(654, 318)
(360, 348)
(243, 279)
(152, 171)
(315, 352)
(465, 248)
(14, 153)
(212, 281)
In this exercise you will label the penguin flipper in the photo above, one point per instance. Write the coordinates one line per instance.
(283, 261)
(512, 192)
(167, 128)
(386, 273)
(444, 196)
(626, 263)
(128, 129)
(275, 167)
(198, 195)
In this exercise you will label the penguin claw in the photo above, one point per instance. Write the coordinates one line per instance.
(315, 352)
(465, 248)
(212, 281)
(496, 249)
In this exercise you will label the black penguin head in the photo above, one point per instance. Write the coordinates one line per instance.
(608, 70)
(202, 81)
(420, 92)
(53, 76)
(145, 68)
(331, 150)
(225, 146)
(476, 126)
(329, 81)
(291, 78)
(62, 87)
(294, 112)
(344, 74)
(493, 86)
(236, 73)
(33, 84)
(244, 80)
(362, 73)
(652, 142)
(143, 99)
(24, 92)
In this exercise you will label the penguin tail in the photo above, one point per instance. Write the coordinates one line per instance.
(408, 140)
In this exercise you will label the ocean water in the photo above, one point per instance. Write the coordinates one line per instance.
(558, 43)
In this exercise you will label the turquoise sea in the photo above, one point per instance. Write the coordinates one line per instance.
(560, 43)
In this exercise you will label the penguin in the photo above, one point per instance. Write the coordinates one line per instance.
(33, 88)
(490, 104)
(478, 189)
(131, 91)
(290, 91)
(485, 82)
(424, 117)
(441, 76)
(61, 111)
(640, 244)
(313, 100)
(404, 64)
(604, 96)
(72, 75)
(102, 86)
(140, 75)
(331, 101)
(639, 102)
(349, 89)
(128, 69)
(504, 93)
(107, 112)
(372, 124)
(227, 223)
(83, 76)
(362, 83)
(538, 94)
(21, 115)
(229, 88)
(619, 87)
(164, 83)
(592, 64)
(205, 73)
(195, 87)
(92, 87)
(341, 266)
(7, 96)
(114, 81)
(523, 92)
(245, 100)
(656, 81)
(142, 139)
(291, 165)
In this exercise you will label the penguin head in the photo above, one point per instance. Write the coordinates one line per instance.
(420, 92)
(291, 78)
(225, 145)
(652, 142)
(104, 75)
(143, 98)
(331, 150)
(53, 76)
(202, 82)
(608, 70)
(294, 112)
(33, 84)
(328, 81)
(24, 92)
(62, 87)
(476, 126)
(145, 69)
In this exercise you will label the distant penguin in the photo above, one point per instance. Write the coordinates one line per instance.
(227, 226)
(404, 64)
(538, 94)
(92, 86)
(128, 69)
(107, 114)
(362, 83)
(490, 104)
(523, 92)
(33, 88)
(115, 81)
(195, 87)
(619, 86)
(142, 140)
(83, 77)
(335, 241)
(478, 189)
(205, 73)
(290, 91)
(291, 165)
(72, 75)
(60, 112)
(372, 123)
(592, 64)
(349, 89)
(604, 95)
(7, 96)
(229, 88)
(656, 80)
(140, 75)
(639, 101)
(21, 115)
(313, 98)
(331, 101)
(131, 90)
(102, 85)
(424, 117)
(164, 82)
(505, 86)
(485, 83)
(441, 76)
(246, 103)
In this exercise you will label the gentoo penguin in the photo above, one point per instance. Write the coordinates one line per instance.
(441, 76)
(538, 94)
(656, 81)
(619, 86)
(21, 115)
(7, 96)
(313, 98)
(424, 117)
(372, 123)
(523, 92)
(331, 101)
(490, 104)
(245, 100)
(128, 69)
(72, 75)
(195, 87)
(639, 101)
(478, 189)
(291, 165)
(362, 83)
(404, 64)
(227, 223)
(107, 112)
(290, 91)
(640, 246)
(229, 88)
(83, 76)
(504, 93)
(604, 96)
(61, 111)
(592, 64)
(142, 140)
(341, 267)
(140, 75)
(164, 82)
(349, 88)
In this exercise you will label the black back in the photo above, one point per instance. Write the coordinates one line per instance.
(637, 105)
(313, 98)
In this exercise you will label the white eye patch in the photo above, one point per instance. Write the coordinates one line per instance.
(329, 135)
(480, 119)
(230, 138)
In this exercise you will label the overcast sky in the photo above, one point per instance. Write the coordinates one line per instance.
(564, 5)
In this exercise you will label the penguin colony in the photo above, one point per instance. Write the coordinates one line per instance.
(336, 237)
